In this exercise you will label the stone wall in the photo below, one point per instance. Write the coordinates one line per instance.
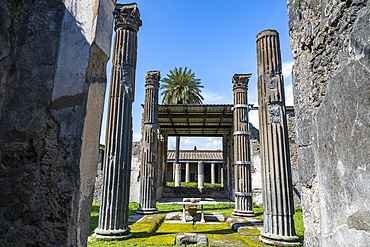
(53, 57)
(330, 41)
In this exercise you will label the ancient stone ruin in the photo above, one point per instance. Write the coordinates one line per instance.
(51, 104)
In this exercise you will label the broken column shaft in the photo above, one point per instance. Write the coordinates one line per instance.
(276, 171)
(147, 204)
(242, 157)
(114, 207)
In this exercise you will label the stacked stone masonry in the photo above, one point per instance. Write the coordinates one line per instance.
(330, 42)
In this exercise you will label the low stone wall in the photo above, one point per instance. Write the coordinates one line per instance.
(181, 192)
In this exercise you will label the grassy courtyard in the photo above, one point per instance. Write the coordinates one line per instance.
(154, 231)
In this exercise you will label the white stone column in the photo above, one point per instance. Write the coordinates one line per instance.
(278, 223)
(213, 173)
(173, 172)
(187, 173)
(200, 174)
(113, 217)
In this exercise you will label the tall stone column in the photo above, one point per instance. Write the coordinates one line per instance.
(276, 172)
(149, 149)
(187, 173)
(200, 174)
(177, 174)
(113, 218)
(213, 173)
(242, 157)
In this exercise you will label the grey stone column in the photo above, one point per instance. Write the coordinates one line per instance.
(177, 175)
(242, 157)
(150, 144)
(275, 161)
(213, 173)
(113, 218)
(200, 174)
(187, 173)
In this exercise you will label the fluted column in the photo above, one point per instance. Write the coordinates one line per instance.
(149, 157)
(113, 218)
(276, 172)
(213, 173)
(242, 157)
(187, 173)
(200, 174)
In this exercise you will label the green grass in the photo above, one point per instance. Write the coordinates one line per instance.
(193, 185)
(298, 223)
(225, 208)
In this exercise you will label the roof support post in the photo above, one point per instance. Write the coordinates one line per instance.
(242, 157)
(278, 223)
(149, 154)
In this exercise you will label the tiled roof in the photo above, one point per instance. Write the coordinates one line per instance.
(196, 155)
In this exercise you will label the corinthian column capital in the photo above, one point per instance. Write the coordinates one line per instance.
(240, 81)
(127, 16)
(152, 78)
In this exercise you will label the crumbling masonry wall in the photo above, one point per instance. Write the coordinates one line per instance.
(53, 57)
(330, 40)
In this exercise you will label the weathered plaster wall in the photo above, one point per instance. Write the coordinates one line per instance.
(330, 40)
(52, 81)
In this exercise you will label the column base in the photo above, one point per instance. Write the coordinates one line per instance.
(112, 234)
(279, 240)
(147, 211)
(243, 213)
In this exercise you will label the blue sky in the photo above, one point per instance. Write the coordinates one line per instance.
(214, 38)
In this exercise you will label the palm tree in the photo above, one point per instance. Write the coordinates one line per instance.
(181, 87)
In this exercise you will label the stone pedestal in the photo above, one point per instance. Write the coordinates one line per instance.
(147, 204)
(213, 173)
(242, 158)
(177, 175)
(187, 173)
(113, 218)
(275, 161)
(200, 174)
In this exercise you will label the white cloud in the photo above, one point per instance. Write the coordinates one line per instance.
(287, 69)
(211, 97)
(289, 101)
(253, 116)
(187, 141)
(215, 144)
(136, 137)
